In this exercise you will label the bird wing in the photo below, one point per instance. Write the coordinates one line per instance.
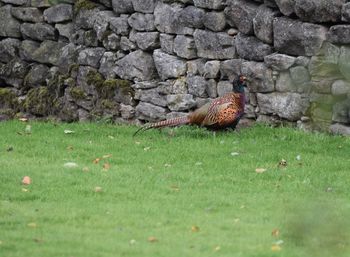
(224, 111)
(199, 115)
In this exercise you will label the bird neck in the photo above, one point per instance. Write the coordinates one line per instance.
(239, 88)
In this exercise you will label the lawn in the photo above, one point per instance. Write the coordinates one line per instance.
(97, 191)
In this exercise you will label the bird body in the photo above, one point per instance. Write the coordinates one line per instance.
(222, 112)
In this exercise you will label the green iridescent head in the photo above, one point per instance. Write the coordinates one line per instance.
(239, 83)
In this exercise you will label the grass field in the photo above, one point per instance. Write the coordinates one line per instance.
(186, 192)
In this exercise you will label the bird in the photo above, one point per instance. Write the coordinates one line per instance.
(221, 113)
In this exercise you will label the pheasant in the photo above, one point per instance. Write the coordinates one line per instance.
(222, 112)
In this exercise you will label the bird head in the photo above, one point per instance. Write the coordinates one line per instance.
(239, 83)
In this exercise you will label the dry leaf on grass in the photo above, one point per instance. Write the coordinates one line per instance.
(276, 248)
(23, 119)
(32, 225)
(282, 163)
(86, 169)
(96, 161)
(69, 148)
(260, 170)
(195, 229)
(106, 166)
(152, 239)
(106, 156)
(217, 248)
(175, 188)
(26, 180)
(275, 232)
(98, 189)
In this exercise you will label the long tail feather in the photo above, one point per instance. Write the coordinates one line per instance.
(165, 123)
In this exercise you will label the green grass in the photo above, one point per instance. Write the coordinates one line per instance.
(163, 184)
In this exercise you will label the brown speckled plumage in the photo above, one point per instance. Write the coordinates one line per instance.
(222, 112)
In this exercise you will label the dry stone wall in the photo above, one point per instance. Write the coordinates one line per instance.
(146, 60)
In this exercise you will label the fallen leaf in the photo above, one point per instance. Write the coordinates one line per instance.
(98, 189)
(195, 229)
(175, 188)
(217, 248)
(234, 154)
(26, 180)
(69, 148)
(276, 248)
(86, 169)
(152, 239)
(132, 241)
(32, 225)
(147, 148)
(106, 166)
(260, 170)
(106, 156)
(25, 190)
(70, 165)
(275, 232)
(111, 137)
(23, 119)
(67, 131)
(9, 149)
(38, 240)
(96, 161)
(282, 163)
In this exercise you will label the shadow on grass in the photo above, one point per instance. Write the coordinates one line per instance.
(319, 228)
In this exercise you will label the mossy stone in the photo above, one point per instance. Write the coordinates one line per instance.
(39, 101)
(83, 5)
(94, 78)
(77, 93)
(8, 98)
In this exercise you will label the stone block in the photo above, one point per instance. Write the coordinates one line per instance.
(289, 106)
(137, 65)
(9, 26)
(251, 48)
(298, 38)
(197, 86)
(29, 14)
(240, 14)
(184, 46)
(215, 21)
(142, 22)
(214, 45)
(59, 13)
(180, 102)
(168, 66)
